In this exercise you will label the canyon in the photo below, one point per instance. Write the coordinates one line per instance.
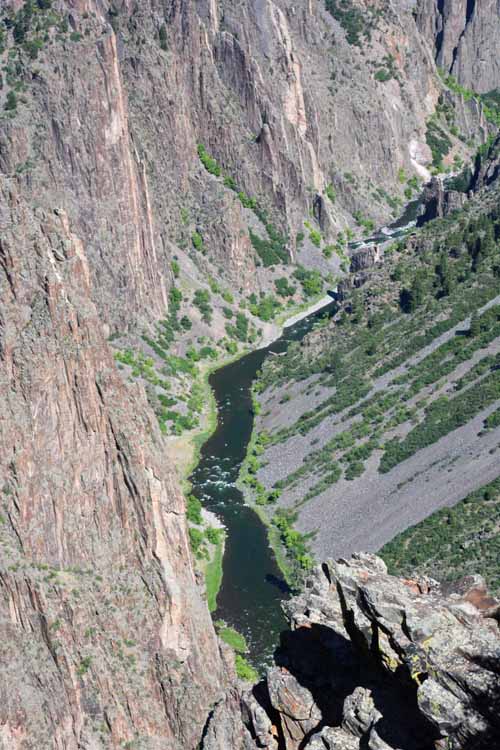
(178, 177)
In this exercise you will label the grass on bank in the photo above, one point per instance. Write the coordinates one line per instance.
(238, 643)
(213, 575)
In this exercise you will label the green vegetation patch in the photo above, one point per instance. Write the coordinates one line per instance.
(238, 643)
(438, 142)
(453, 542)
(208, 161)
(297, 551)
(441, 417)
(356, 22)
(213, 569)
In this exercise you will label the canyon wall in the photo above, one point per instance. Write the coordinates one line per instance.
(111, 115)
(466, 39)
(105, 636)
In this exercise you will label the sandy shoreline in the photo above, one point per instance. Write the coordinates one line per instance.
(274, 331)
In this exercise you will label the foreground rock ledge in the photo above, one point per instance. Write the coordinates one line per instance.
(373, 661)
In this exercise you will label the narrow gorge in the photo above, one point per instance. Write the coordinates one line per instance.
(220, 530)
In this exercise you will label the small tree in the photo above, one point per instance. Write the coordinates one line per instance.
(475, 326)
(11, 102)
(163, 37)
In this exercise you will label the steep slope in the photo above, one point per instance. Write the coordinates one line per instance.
(466, 39)
(394, 394)
(453, 542)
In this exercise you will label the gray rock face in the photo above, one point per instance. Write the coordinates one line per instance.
(380, 662)
(438, 202)
(487, 167)
(364, 258)
(466, 39)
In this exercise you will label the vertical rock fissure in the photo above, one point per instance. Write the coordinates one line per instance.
(471, 7)
(469, 12)
(440, 34)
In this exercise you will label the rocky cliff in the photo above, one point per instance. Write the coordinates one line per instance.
(111, 101)
(105, 636)
(377, 662)
(466, 38)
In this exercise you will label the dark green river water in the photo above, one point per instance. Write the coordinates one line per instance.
(252, 585)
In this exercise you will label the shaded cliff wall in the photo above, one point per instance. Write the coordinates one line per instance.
(465, 35)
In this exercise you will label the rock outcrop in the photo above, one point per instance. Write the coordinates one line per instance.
(378, 662)
(437, 201)
(364, 258)
(487, 167)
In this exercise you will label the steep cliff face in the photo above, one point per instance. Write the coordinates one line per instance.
(378, 662)
(115, 98)
(466, 39)
(105, 637)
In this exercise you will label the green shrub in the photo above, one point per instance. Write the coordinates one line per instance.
(213, 535)
(196, 538)
(354, 21)
(231, 347)
(193, 510)
(240, 330)
(315, 237)
(11, 101)
(197, 241)
(284, 288)
(84, 665)
(244, 669)
(208, 162)
(271, 252)
(330, 193)
(247, 202)
(231, 636)
(311, 281)
(163, 37)
(266, 308)
(201, 300)
(383, 74)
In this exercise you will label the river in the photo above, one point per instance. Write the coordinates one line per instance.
(252, 585)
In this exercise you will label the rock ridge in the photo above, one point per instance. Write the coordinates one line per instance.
(374, 661)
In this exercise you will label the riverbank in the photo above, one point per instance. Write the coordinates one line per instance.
(249, 495)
